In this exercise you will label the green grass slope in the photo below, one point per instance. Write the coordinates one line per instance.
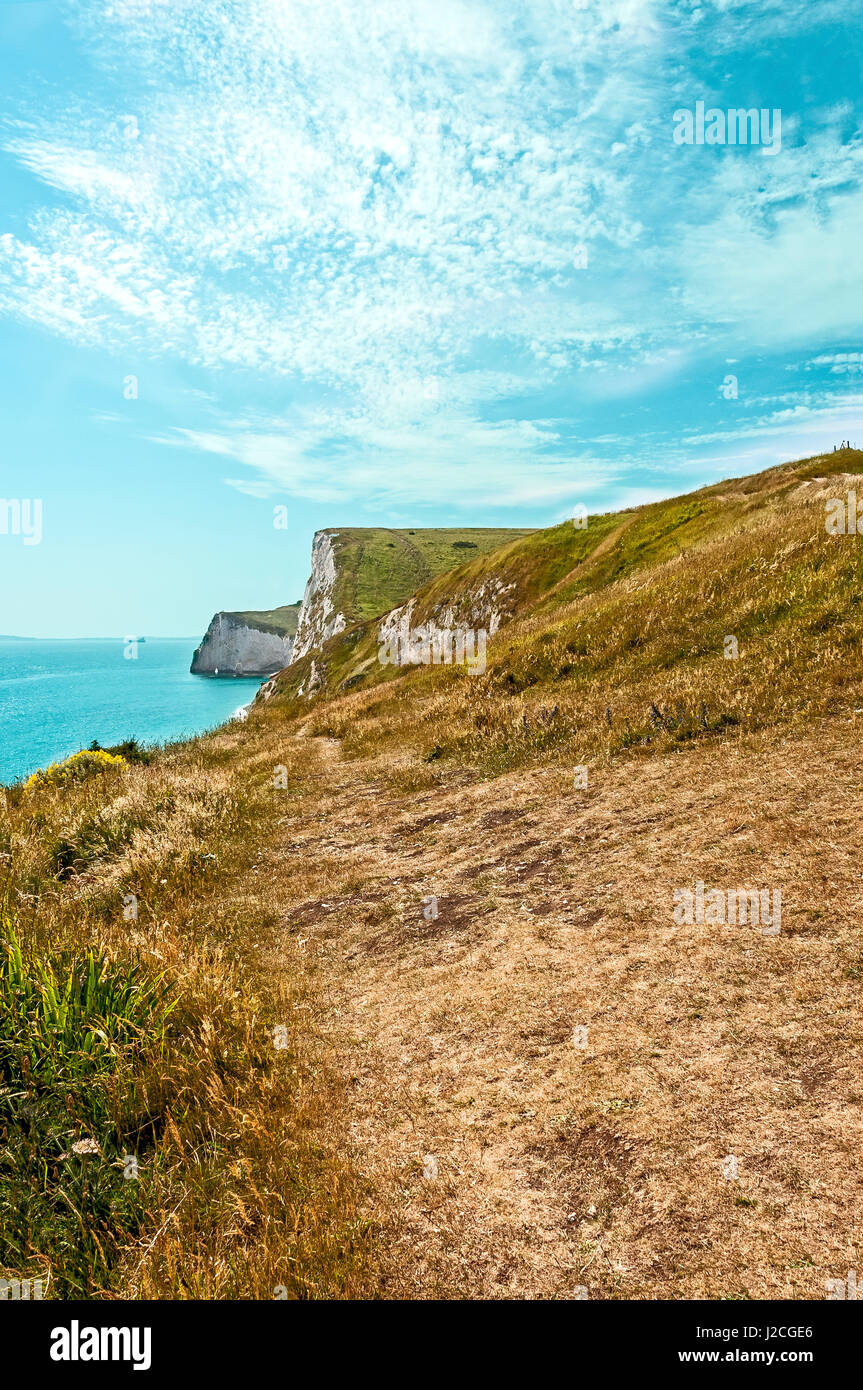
(637, 602)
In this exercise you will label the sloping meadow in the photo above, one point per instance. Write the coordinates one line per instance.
(159, 1135)
(732, 612)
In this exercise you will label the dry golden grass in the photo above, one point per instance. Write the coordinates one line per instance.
(560, 1166)
(244, 1186)
(435, 1126)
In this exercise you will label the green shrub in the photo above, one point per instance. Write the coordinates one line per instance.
(130, 749)
(68, 1025)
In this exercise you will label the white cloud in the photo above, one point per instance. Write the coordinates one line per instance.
(386, 206)
(329, 191)
(452, 459)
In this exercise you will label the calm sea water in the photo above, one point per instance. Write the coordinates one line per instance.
(57, 696)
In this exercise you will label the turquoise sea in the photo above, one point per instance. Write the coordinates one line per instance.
(57, 696)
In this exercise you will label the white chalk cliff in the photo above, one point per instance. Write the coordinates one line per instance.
(483, 607)
(232, 647)
(319, 618)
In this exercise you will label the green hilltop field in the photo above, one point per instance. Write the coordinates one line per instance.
(377, 569)
(282, 621)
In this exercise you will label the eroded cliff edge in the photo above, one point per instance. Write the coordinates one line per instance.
(319, 617)
(357, 574)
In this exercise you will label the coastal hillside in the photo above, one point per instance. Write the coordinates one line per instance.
(405, 987)
(356, 573)
(577, 583)
(359, 573)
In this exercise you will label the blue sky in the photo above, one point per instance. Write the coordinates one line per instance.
(401, 262)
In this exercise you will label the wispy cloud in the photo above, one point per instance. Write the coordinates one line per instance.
(506, 463)
(428, 216)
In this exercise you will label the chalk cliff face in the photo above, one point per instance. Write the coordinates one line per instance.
(357, 574)
(233, 646)
(319, 617)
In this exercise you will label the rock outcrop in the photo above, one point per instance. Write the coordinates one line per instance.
(235, 646)
(484, 605)
(319, 617)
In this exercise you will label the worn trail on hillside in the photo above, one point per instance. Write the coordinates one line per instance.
(515, 1154)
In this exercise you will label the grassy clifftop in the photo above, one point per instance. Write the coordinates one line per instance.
(557, 590)
(380, 568)
(281, 621)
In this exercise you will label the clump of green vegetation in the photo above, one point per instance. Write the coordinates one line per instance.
(130, 749)
(69, 1022)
